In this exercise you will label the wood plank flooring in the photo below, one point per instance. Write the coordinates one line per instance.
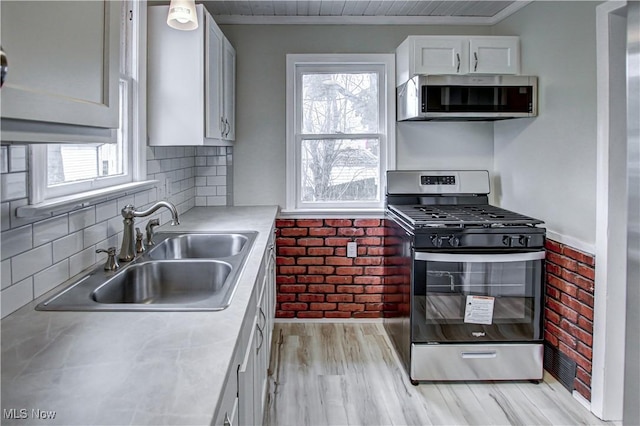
(348, 374)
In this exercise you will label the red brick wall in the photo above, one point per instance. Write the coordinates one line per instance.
(568, 323)
(316, 279)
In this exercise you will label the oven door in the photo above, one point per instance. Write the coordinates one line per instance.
(462, 297)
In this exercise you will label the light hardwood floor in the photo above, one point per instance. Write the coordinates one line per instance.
(348, 374)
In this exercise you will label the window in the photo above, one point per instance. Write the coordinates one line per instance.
(65, 169)
(340, 131)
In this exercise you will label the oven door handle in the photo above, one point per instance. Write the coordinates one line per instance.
(479, 258)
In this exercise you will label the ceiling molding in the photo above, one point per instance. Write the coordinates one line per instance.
(353, 20)
(508, 11)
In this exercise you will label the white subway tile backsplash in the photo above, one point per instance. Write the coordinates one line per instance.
(216, 201)
(201, 181)
(16, 296)
(4, 160)
(141, 198)
(80, 219)
(13, 186)
(221, 170)
(125, 201)
(50, 278)
(30, 262)
(216, 180)
(81, 261)
(16, 241)
(203, 191)
(67, 246)
(6, 219)
(153, 167)
(18, 158)
(5, 266)
(201, 201)
(114, 226)
(203, 171)
(50, 229)
(95, 233)
(216, 161)
(106, 210)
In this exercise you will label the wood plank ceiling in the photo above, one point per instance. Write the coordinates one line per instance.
(365, 11)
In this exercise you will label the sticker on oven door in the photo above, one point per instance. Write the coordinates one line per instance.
(479, 310)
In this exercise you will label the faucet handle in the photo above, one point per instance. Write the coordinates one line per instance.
(112, 263)
(139, 243)
(152, 224)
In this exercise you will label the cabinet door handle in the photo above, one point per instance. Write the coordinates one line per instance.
(222, 127)
(264, 317)
(227, 127)
(475, 57)
(458, 66)
(261, 339)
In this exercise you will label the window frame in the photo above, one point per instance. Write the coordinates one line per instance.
(296, 65)
(132, 76)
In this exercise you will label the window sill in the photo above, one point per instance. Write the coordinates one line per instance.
(72, 202)
(333, 213)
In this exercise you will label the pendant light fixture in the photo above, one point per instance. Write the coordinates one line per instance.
(182, 15)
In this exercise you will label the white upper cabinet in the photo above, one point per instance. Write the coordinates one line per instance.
(64, 67)
(229, 91)
(494, 55)
(440, 56)
(457, 55)
(188, 72)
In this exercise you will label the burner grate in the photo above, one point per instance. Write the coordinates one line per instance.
(461, 215)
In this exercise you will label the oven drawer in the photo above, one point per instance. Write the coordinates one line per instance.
(477, 362)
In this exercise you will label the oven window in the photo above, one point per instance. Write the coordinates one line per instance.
(475, 301)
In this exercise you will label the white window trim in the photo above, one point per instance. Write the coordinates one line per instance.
(388, 158)
(138, 135)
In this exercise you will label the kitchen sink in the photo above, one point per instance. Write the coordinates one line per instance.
(182, 272)
(166, 282)
(198, 246)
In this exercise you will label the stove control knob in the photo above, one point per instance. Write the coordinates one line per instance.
(506, 240)
(454, 241)
(524, 240)
(436, 241)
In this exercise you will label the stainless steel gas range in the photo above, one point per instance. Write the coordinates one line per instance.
(474, 284)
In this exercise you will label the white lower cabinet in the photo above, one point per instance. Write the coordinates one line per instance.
(244, 400)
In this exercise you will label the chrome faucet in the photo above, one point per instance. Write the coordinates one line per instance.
(128, 250)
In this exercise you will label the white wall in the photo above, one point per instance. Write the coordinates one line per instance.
(259, 151)
(546, 166)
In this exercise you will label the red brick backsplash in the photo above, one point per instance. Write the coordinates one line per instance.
(316, 279)
(568, 320)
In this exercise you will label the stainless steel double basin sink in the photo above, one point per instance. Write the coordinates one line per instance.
(181, 272)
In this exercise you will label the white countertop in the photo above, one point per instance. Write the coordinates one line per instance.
(121, 368)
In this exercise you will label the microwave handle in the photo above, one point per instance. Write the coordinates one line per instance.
(475, 57)
(479, 258)
(458, 58)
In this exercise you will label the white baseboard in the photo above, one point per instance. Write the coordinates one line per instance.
(582, 400)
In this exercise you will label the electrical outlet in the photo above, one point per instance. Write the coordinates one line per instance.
(352, 249)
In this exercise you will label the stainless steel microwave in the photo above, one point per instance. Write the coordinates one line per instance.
(467, 97)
